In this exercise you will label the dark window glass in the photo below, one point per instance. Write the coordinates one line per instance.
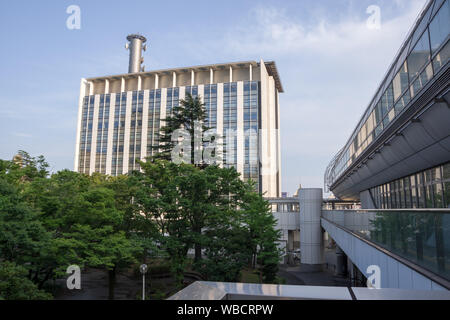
(400, 83)
(401, 195)
(441, 58)
(407, 186)
(414, 198)
(420, 191)
(422, 26)
(419, 56)
(440, 27)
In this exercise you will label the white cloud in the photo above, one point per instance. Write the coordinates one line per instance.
(330, 71)
(272, 31)
(22, 135)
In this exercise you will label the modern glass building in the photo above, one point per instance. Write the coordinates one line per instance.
(120, 117)
(398, 155)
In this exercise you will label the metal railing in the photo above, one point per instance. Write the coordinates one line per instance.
(204, 290)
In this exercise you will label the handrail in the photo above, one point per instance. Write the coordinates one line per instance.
(443, 210)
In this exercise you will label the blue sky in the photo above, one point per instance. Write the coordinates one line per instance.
(330, 64)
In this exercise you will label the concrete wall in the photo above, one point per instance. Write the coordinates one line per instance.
(367, 201)
(311, 244)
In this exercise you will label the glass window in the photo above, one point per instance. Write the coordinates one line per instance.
(426, 75)
(422, 26)
(428, 175)
(420, 191)
(403, 102)
(446, 179)
(419, 56)
(387, 101)
(413, 192)
(407, 185)
(438, 195)
(400, 195)
(378, 113)
(440, 27)
(421, 81)
(441, 58)
(400, 83)
(446, 171)
(437, 5)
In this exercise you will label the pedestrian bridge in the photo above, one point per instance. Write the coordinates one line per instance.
(411, 247)
(204, 290)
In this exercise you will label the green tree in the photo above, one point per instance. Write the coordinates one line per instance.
(158, 199)
(23, 238)
(86, 226)
(184, 116)
(15, 285)
(261, 233)
(59, 200)
(24, 168)
(48, 223)
(99, 229)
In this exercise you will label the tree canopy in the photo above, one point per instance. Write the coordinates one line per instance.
(51, 221)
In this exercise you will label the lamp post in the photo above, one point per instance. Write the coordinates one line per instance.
(143, 269)
(258, 248)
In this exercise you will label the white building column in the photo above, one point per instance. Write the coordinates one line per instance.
(144, 134)
(106, 86)
(163, 108)
(310, 230)
(240, 128)
(220, 120)
(139, 88)
(122, 84)
(182, 93)
(273, 139)
(83, 84)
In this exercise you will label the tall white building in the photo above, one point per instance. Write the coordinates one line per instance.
(120, 116)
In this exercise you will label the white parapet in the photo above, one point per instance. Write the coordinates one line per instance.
(310, 229)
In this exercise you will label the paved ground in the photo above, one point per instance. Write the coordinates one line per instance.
(312, 276)
(94, 286)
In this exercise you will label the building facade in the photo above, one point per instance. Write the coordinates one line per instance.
(399, 154)
(120, 117)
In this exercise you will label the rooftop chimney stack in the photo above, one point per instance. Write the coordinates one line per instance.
(136, 44)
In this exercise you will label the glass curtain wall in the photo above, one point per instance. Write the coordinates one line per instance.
(426, 189)
(425, 53)
(251, 163)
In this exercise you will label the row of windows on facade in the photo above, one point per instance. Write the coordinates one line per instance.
(120, 114)
(428, 51)
(426, 189)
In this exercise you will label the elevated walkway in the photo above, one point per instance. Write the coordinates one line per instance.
(411, 247)
(203, 290)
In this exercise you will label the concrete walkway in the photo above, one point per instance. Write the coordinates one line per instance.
(311, 276)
